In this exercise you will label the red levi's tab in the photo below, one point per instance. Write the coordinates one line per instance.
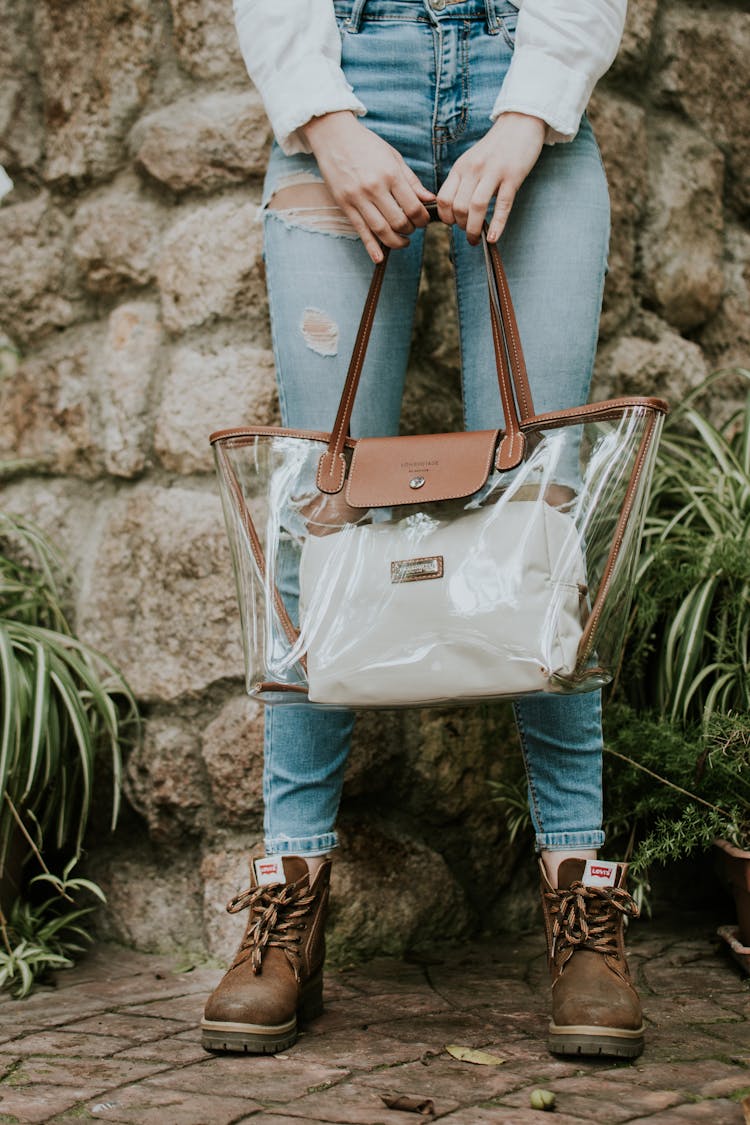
(269, 869)
(598, 873)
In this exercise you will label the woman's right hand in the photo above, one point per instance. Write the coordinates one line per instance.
(369, 180)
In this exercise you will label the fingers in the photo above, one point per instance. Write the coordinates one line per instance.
(505, 197)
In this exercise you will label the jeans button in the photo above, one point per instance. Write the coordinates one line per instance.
(437, 5)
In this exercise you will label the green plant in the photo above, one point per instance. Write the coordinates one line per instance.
(45, 935)
(689, 642)
(61, 704)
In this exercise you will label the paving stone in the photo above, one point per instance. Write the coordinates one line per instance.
(352, 1104)
(144, 1104)
(717, 1112)
(138, 1029)
(445, 1077)
(172, 1050)
(125, 1046)
(356, 1049)
(80, 1045)
(504, 1115)
(186, 1009)
(595, 1099)
(96, 1072)
(39, 1102)
(271, 1079)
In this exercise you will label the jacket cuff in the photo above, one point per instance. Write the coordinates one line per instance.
(324, 90)
(542, 86)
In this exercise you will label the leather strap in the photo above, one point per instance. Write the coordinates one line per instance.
(515, 392)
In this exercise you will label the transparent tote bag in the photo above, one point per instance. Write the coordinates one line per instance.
(441, 568)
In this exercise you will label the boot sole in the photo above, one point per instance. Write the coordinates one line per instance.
(263, 1039)
(595, 1041)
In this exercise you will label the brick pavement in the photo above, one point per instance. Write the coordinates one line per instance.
(116, 1040)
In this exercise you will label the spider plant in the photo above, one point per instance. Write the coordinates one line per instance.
(690, 634)
(61, 704)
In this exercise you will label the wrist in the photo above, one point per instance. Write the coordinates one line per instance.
(527, 119)
(319, 126)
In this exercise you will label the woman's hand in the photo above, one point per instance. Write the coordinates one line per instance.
(499, 163)
(369, 180)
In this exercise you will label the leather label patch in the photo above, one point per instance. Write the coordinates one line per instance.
(417, 570)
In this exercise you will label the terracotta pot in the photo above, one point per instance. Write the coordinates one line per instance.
(733, 865)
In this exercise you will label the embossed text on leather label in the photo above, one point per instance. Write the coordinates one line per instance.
(417, 570)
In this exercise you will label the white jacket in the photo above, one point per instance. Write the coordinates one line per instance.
(292, 51)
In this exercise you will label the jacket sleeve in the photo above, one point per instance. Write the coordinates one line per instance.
(562, 49)
(292, 52)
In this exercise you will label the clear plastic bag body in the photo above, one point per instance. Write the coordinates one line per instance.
(408, 588)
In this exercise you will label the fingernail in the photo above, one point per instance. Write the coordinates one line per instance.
(494, 232)
(377, 257)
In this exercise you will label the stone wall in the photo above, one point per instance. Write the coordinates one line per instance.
(133, 291)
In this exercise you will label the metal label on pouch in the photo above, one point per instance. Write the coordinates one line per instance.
(417, 570)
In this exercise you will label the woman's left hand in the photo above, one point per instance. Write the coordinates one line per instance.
(498, 164)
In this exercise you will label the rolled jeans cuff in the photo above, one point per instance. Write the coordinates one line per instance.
(569, 841)
(301, 845)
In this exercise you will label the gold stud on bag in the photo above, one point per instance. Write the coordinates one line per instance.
(442, 567)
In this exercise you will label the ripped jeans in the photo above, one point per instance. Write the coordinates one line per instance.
(429, 79)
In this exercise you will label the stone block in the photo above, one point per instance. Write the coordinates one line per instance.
(165, 780)
(37, 290)
(160, 597)
(204, 143)
(210, 265)
(116, 237)
(651, 359)
(390, 893)
(124, 375)
(620, 128)
(153, 898)
(205, 39)
(701, 70)
(726, 337)
(681, 240)
(48, 418)
(79, 404)
(632, 56)
(232, 749)
(95, 69)
(21, 131)
(211, 390)
(225, 872)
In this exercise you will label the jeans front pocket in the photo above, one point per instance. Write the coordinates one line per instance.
(508, 28)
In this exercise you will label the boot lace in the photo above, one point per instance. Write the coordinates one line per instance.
(587, 917)
(277, 918)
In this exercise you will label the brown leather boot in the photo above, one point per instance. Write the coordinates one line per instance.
(595, 1008)
(277, 974)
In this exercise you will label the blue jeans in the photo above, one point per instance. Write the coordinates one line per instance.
(429, 79)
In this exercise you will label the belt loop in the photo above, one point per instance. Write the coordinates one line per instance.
(493, 23)
(354, 21)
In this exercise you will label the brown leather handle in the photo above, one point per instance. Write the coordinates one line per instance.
(515, 392)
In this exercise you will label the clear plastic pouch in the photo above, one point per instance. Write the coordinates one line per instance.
(440, 568)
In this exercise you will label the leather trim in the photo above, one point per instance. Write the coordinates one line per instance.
(256, 546)
(450, 466)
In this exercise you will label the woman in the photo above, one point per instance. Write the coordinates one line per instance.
(379, 107)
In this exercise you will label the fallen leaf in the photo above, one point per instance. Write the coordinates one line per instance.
(425, 1106)
(481, 1058)
(745, 1103)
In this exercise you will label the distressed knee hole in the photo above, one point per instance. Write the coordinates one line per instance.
(309, 205)
(320, 332)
